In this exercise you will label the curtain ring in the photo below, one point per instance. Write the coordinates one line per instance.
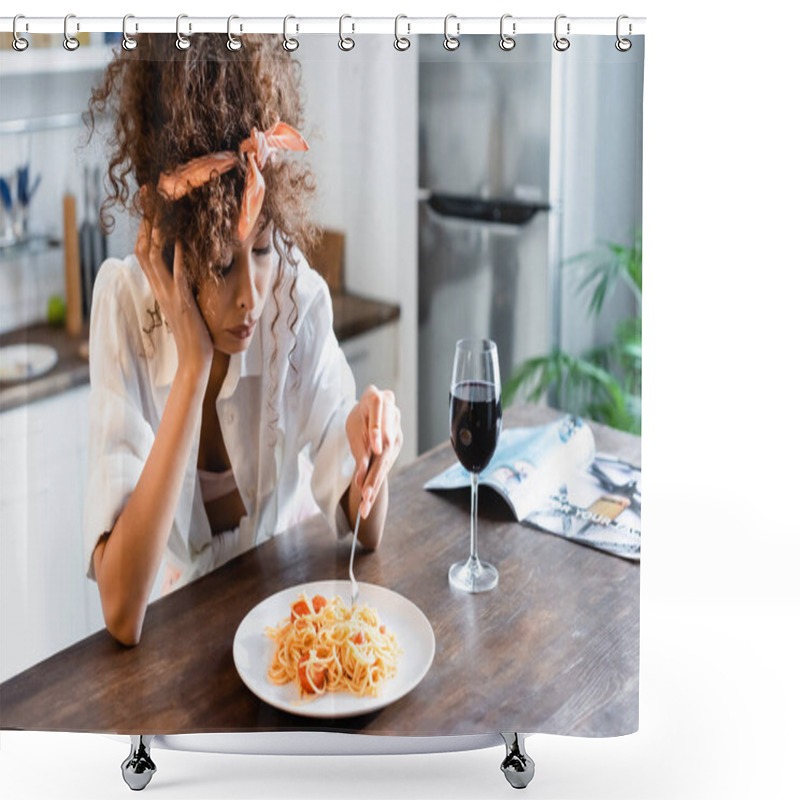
(623, 45)
(127, 42)
(400, 42)
(182, 43)
(507, 42)
(70, 42)
(345, 42)
(19, 44)
(451, 42)
(234, 44)
(561, 43)
(289, 43)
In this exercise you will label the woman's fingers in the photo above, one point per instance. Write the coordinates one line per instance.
(375, 423)
(384, 442)
(180, 278)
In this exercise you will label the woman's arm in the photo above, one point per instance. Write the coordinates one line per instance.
(126, 562)
(376, 437)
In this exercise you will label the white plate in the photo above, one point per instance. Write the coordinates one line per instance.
(253, 650)
(21, 362)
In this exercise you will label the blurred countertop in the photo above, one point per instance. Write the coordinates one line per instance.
(353, 315)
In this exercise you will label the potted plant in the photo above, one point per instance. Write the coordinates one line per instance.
(605, 383)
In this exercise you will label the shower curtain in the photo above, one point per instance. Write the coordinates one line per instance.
(460, 191)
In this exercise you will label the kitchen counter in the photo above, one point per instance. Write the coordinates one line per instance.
(352, 315)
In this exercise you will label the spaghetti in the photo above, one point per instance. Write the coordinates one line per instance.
(326, 646)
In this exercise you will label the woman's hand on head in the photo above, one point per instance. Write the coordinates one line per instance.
(375, 436)
(175, 299)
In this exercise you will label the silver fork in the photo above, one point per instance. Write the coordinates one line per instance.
(353, 583)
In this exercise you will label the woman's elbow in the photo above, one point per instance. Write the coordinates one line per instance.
(124, 628)
(122, 621)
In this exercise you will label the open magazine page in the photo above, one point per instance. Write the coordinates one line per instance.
(599, 506)
(552, 479)
(529, 464)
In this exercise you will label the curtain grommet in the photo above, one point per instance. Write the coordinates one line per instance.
(181, 42)
(623, 45)
(70, 42)
(18, 43)
(128, 42)
(234, 44)
(401, 43)
(507, 42)
(290, 44)
(346, 43)
(561, 43)
(451, 43)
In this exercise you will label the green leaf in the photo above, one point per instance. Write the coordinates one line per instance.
(605, 382)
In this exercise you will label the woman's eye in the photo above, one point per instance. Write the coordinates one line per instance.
(263, 251)
(223, 271)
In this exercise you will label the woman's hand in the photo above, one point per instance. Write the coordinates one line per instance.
(176, 301)
(375, 436)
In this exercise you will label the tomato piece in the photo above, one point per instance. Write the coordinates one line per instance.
(315, 675)
(358, 638)
(382, 629)
(319, 602)
(300, 609)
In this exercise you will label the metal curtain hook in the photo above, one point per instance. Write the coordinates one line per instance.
(507, 42)
(127, 42)
(290, 44)
(400, 42)
(561, 43)
(233, 43)
(182, 43)
(70, 42)
(451, 42)
(623, 45)
(19, 44)
(345, 42)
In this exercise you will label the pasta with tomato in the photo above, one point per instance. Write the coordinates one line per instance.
(327, 646)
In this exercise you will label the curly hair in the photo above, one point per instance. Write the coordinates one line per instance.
(170, 106)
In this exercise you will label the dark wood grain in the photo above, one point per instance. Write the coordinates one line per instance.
(555, 649)
(354, 315)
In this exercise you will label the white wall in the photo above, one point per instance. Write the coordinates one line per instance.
(59, 156)
(361, 125)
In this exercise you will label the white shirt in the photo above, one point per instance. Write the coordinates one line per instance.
(276, 440)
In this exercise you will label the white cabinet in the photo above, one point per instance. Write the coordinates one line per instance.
(46, 601)
(374, 357)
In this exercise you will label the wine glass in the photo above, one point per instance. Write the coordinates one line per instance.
(475, 422)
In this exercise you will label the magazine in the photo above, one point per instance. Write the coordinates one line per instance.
(553, 479)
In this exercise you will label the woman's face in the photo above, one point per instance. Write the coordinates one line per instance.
(233, 304)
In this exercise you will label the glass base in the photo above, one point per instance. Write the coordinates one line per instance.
(473, 576)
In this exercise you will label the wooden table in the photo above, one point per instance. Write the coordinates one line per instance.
(554, 649)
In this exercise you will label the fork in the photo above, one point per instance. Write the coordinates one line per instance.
(353, 583)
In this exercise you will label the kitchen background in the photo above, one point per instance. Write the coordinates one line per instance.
(463, 189)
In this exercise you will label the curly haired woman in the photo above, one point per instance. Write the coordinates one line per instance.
(215, 372)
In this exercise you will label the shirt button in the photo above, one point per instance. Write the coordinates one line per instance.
(251, 493)
(231, 418)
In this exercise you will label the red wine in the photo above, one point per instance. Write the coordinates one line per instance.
(475, 421)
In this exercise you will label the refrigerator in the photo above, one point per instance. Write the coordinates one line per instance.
(484, 173)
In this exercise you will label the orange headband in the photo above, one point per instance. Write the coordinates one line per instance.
(258, 147)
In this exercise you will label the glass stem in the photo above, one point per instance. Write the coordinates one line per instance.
(473, 526)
